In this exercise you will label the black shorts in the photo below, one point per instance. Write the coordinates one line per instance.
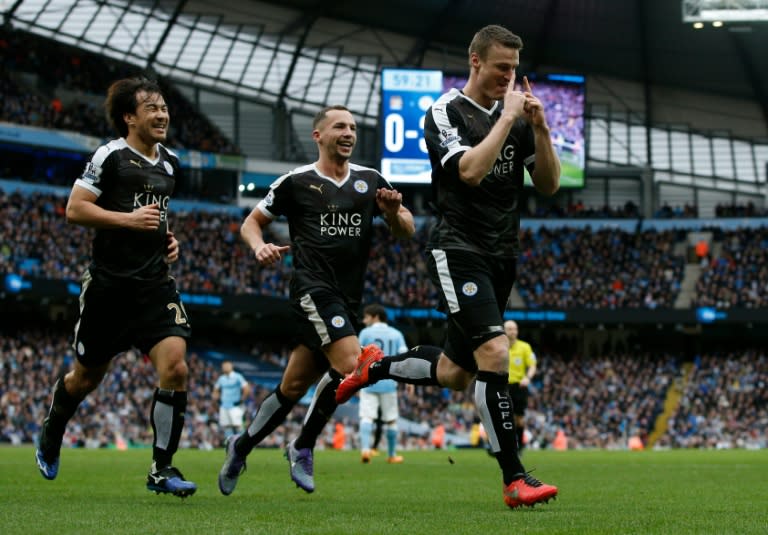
(473, 291)
(322, 316)
(519, 396)
(115, 317)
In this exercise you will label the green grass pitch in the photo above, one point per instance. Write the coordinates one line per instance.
(669, 492)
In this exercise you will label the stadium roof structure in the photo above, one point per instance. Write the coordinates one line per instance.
(640, 40)
(308, 52)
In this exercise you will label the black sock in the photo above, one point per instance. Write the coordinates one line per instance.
(417, 366)
(320, 410)
(63, 407)
(378, 427)
(272, 412)
(167, 419)
(519, 433)
(495, 408)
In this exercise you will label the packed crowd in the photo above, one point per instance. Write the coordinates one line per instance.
(116, 413)
(607, 268)
(596, 402)
(559, 268)
(58, 67)
(724, 405)
(599, 402)
(738, 275)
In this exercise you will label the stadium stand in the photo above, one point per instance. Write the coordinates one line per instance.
(740, 210)
(605, 268)
(559, 268)
(724, 404)
(598, 399)
(736, 273)
(48, 84)
(598, 402)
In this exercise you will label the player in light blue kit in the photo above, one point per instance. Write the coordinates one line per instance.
(230, 390)
(382, 395)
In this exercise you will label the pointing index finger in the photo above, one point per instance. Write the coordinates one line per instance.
(527, 85)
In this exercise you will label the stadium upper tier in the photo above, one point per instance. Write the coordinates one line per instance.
(52, 85)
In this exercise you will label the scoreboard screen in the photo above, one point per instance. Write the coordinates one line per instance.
(406, 95)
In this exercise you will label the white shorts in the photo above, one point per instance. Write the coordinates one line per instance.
(370, 403)
(232, 417)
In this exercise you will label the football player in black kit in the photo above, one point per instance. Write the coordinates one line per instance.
(478, 139)
(330, 205)
(128, 298)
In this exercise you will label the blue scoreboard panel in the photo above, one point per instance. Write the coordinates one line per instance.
(406, 95)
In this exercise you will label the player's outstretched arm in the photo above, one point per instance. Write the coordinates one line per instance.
(251, 232)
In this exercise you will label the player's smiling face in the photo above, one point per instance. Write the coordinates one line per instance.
(151, 119)
(336, 135)
(496, 71)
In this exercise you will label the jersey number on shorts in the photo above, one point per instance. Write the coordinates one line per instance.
(181, 314)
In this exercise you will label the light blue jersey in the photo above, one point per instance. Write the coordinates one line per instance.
(231, 386)
(391, 342)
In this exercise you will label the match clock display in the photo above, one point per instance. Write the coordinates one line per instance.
(406, 96)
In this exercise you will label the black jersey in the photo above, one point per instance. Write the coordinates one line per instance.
(484, 218)
(125, 180)
(331, 227)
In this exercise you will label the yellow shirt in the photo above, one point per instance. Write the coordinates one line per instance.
(521, 357)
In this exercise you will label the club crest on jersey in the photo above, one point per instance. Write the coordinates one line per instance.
(270, 198)
(338, 322)
(469, 289)
(168, 168)
(448, 136)
(360, 186)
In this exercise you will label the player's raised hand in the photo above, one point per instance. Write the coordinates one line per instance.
(269, 253)
(534, 109)
(514, 100)
(389, 200)
(145, 217)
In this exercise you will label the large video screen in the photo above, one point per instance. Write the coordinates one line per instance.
(563, 99)
(408, 93)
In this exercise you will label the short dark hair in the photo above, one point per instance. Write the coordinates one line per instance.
(322, 114)
(376, 311)
(121, 99)
(490, 35)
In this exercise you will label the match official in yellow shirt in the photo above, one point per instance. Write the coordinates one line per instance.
(522, 368)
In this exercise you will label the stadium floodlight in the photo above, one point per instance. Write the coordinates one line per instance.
(725, 10)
